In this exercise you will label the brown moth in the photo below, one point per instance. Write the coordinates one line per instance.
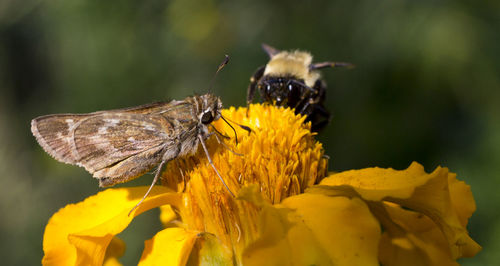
(117, 146)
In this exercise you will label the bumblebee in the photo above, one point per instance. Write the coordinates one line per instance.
(290, 79)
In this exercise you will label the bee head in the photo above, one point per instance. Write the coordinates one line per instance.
(283, 90)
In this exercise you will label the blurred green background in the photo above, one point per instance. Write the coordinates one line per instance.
(426, 89)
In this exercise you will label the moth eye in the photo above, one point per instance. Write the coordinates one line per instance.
(207, 118)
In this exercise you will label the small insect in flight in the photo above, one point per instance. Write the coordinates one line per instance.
(117, 146)
(291, 79)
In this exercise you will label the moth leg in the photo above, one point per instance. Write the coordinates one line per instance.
(157, 176)
(239, 232)
(224, 144)
(212, 164)
(182, 174)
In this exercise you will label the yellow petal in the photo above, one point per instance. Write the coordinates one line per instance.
(79, 234)
(414, 189)
(310, 229)
(461, 198)
(167, 214)
(378, 183)
(170, 246)
(112, 261)
(209, 250)
(116, 248)
(411, 238)
(179, 246)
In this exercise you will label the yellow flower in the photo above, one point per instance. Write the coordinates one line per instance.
(286, 211)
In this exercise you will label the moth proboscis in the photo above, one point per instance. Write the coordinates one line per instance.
(119, 145)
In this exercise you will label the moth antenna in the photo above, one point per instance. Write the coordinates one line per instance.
(235, 135)
(248, 129)
(157, 175)
(212, 164)
(219, 68)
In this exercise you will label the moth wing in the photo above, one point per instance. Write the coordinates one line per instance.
(104, 140)
(130, 167)
(54, 134)
(100, 140)
(115, 145)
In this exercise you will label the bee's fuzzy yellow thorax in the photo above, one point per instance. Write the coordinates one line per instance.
(295, 63)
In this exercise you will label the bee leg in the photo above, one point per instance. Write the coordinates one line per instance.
(254, 80)
(309, 103)
(320, 88)
(316, 127)
(304, 108)
(321, 117)
(317, 114)
(212, 164)
(322, 110)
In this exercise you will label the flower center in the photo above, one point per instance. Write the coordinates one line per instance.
(280, 156)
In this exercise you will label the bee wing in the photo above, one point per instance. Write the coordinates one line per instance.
(320, 65)
(271, 51)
